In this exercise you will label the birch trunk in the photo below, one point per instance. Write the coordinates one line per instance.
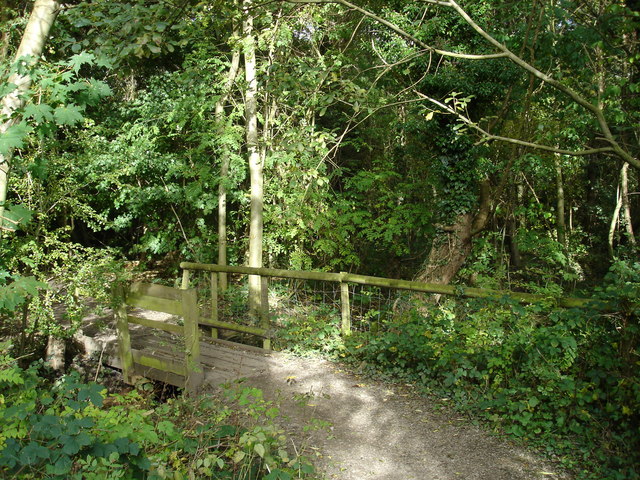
(614, 222)
(33, 40)
(626, 207)
(224, 171)
(255, 160)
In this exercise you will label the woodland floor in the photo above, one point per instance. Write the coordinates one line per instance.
(357, 428)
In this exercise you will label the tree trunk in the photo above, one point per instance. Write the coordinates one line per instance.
(561, 227)
(626, 208)
(35, 35)
(255, 160)
(614, 221)
(224, 170)
(450, 250)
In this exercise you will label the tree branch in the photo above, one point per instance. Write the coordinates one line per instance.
(404, 34)
(490, 137)
(504, 52)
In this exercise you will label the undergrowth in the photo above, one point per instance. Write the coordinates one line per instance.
(72, 430)
(563, 380)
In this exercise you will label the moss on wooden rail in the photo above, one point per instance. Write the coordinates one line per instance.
(162, 299)
(455, 290)
(260, 332)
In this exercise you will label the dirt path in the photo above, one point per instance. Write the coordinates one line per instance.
(371, 431)
(367, 430)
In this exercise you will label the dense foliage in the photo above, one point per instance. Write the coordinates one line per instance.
(73, 430)
(497, 147)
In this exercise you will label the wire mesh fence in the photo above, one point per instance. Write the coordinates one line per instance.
(369, 306)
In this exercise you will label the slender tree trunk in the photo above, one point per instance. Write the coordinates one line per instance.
(224, 170)
(561, 226)
(255, 160)
(35, 35)
(614, 221)
(626, 207)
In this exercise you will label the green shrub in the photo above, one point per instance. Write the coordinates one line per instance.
(71, 430)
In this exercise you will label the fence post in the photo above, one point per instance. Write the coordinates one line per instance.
(124, 339)
(346, 307)
(191, 340)
(185, 279)
(214, 302)
(264, 311)
(222, 281)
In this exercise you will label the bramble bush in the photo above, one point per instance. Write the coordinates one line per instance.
(564, 380)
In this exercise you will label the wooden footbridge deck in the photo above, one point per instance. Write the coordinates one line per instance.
(160, 336)
(221, 361)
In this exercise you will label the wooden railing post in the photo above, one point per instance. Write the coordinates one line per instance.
(346, 307)
(194, 373)
(185, 279)
(264, 311)
(214, 303)
(124, 339)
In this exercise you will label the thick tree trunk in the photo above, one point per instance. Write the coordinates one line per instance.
(255, 160)
(448, 252)
(33, 40)
(451, 250)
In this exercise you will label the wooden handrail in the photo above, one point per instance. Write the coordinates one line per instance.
(456, 290)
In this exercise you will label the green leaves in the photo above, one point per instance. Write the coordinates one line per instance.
(14, 137)
(17, 291)
(80, 59)
(40, 113)
(68, 115)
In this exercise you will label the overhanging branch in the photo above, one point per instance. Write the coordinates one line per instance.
(488, 137)
(616, 147)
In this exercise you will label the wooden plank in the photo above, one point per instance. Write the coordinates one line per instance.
(185, 279)
(345, 308)
(158, 363)
(154, 290)
(154, 303)
(227, 363)
(124, 337)
(267, 272)
(260, 332)
(211, 349)
(191, 339)
(237, 346)
(264, 310)
(160, 376)
(146, 322)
